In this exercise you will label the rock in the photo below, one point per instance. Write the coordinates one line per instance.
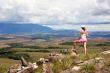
(76, 68)
(15, 68)
(106, 52)
(46, 66)
(73, 53)
(18, 68)
(91, 61)
(24, 62)
(26, 70)
(55, 57)
(67, 71)
(24, 67)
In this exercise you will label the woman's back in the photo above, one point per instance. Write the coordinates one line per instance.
(83, 34)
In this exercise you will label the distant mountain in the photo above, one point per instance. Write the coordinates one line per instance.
(15, 28)
(101, 34)
(39, 31)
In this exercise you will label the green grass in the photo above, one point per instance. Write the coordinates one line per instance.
(6, 63)
(89, 68)
(3, 69)
(66, 63)
(12, 54)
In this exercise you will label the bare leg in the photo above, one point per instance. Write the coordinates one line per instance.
(85, 48)
(74, 44)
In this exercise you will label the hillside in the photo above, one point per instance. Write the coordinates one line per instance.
(16, 28)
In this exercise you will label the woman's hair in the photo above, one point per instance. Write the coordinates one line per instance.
(83, 28)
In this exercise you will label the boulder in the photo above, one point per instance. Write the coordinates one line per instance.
(55, 57)
(24, 67)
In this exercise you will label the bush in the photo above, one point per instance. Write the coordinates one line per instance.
(67, 43)
(84, 57)
(12, 55)
(44, 51)
(19, 45)
(18, 56)
(39, 69)
(66, 63)
(16, 45)
(103, 44)
(53, 47)
(33, 47)
(57, 68)
(3, 69)
(65, 51)
(88, 68)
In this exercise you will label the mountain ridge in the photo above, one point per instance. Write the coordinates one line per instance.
(37, 30)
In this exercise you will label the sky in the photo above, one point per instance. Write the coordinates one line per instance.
(58, 14)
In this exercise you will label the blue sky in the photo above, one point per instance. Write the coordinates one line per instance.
(58, 14)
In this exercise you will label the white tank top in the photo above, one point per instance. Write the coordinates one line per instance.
(83, 36)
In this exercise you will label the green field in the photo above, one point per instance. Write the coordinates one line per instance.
(11, 55)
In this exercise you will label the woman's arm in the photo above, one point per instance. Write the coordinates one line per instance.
(86, 33)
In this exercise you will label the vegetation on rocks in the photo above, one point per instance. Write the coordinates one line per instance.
(34, 52)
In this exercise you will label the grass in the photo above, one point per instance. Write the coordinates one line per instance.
(106, 67)
(89, 68)
(39, 69)
(16, 50)
(66, 63)
(35, 55)
(3, 69)
(6, 63)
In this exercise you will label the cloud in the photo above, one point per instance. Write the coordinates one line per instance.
(103, 8)
(55, 12)
(95, 27)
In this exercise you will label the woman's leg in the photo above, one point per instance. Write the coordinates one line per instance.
(74, 46)
(74, 43)
(85, 47)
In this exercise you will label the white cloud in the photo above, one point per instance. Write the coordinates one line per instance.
(55, 13)
(95, 27)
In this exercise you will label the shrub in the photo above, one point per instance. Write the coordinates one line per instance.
(16, 45)
(53, 47)
(67, 43)
(39, 69)
(57, 67)
(66, 63)
(88, 68)
(18, 56)
(103, 44)
(84, 57)
(20, 45)
(65, 51)
(44, 51)
(3, 69)
(12, 55)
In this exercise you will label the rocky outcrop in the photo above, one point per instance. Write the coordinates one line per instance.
(24, 67)
(73, 53)
(28, 67)
(99, 64)
(78, 67)
(46, 65)
(106, 52)
(55, 57)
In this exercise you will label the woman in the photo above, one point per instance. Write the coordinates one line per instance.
(82, 39)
